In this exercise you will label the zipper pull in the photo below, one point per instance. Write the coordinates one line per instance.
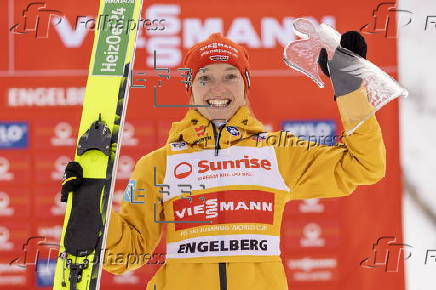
(217, 135)
(217, 141)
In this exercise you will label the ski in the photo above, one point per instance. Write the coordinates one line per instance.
(82, 242)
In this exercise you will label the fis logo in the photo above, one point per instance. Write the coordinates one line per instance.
(13, 135)
(179, 146)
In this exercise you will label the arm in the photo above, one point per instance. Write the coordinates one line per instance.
(313, 171)
(133, 234)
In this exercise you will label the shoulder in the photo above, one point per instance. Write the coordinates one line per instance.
(160, 155)
(154, 157)
(150, 165)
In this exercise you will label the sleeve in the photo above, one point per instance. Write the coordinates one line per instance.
(133, 232)
(315, 171)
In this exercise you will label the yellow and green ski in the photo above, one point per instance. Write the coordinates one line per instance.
(87, 214)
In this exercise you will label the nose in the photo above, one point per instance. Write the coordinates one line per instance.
(218, 88)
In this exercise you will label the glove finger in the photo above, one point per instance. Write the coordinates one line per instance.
(67, 187)
(74, 169)
(322, 61)
(72, 179)
(64, 195)
(355, 42)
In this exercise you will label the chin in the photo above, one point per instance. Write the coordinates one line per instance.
(221, 115)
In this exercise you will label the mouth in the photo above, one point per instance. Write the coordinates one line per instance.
(219, 103)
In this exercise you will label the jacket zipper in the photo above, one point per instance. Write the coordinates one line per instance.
(223, 275)
(221, 266)
(217, 139)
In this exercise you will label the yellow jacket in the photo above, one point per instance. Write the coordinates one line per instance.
(222, 196)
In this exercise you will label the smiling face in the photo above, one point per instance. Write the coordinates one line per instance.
(221, 87)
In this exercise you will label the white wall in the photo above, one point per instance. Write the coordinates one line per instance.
(417, 64)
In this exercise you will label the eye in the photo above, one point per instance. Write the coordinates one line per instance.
(203, 79)
(231, 76)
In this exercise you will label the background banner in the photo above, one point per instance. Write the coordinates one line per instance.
(338, 243)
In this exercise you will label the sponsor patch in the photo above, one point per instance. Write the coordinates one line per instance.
(233, 130)
(224, 207)
(200, 130)
(202, 140)
(216, 45)
(219, 57)
(179, 146)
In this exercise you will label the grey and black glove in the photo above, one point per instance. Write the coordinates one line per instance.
(344, 82)
(73, 178)
(85, 222)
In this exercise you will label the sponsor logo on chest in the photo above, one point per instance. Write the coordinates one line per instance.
(245, 162)
(223, 207)
(236, 165)
(225, 245)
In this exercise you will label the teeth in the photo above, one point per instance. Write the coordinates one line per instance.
(218, 103)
